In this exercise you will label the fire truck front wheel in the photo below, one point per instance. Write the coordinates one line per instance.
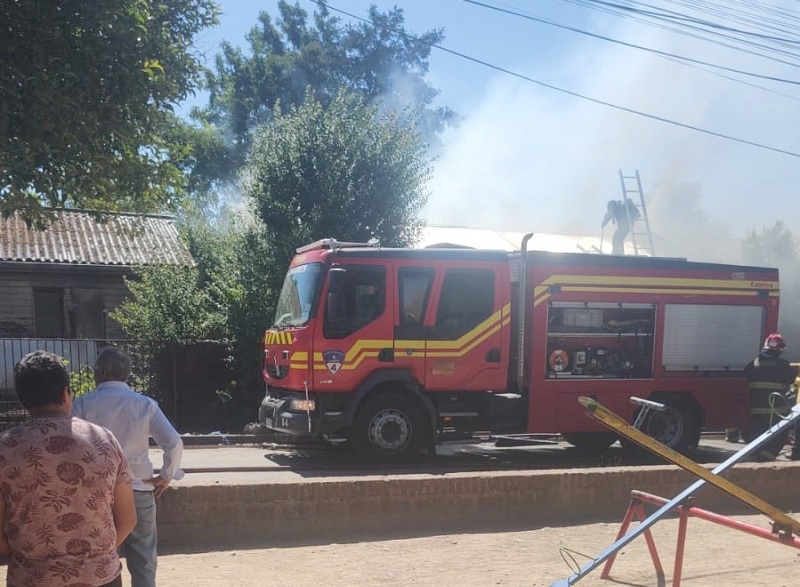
(390, 426)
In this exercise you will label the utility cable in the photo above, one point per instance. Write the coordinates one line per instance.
(677, 17)
(631, 45)
(582, 96)
(694, 32)
(617, 106)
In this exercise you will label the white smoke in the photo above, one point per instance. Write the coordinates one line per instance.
(531, 158)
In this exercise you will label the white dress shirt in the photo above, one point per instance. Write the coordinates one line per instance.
(133, 418)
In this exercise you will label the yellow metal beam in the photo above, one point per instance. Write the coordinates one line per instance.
(620, 426)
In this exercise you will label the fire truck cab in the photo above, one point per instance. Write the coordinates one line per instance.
(392, 350)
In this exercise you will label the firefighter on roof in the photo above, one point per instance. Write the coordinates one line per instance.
(621, 213)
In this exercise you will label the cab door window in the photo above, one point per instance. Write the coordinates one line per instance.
(414, 291)
(361, 296)
(466, 300)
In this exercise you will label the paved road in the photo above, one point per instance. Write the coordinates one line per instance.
(249, 463)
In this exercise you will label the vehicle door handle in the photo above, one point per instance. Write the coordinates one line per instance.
(493, 356)
(386, 356)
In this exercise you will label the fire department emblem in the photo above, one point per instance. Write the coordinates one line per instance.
(333, 360)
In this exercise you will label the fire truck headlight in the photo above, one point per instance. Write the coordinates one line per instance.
(302, 405)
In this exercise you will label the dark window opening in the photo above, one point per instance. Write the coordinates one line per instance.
(90, 313)
(362, 299)
(48, 313)
(467, 299)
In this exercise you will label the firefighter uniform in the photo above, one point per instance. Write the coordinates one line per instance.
(769, 374)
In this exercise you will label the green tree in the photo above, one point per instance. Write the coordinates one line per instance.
(174, 306)
(774, 245)
(167, 306)
(86, 92)
(348, 170)
(377, 60)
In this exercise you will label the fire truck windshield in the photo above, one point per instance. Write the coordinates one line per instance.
(297, 295)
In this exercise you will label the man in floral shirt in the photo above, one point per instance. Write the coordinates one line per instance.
(66, 501)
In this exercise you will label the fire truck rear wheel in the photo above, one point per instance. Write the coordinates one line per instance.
(678, 427)
(390, 426)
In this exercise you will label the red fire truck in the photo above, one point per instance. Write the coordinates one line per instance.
(393, 350)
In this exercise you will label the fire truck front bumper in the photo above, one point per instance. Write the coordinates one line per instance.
(295, 414)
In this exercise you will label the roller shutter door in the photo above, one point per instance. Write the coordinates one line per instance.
(710, 337)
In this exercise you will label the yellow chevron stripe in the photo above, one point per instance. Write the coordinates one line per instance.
(465, 350)
(698, 292)
(539, 298)
(466, 338)
(414, 345)
(676, 285)
(366, 347)
(349, 366)
(361, 346)
(272, 337)
(684, 282)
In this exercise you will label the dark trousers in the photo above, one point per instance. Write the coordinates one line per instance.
(115, 583)
(796, 445)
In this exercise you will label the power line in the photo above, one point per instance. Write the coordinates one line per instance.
(698, 31)
(582, 96)
(617, 106)
(678, 17)
(631, 45)
(676, 59)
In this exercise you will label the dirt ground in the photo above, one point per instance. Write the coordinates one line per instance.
(715, 556)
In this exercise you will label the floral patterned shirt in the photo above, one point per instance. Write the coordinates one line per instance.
(57, 477)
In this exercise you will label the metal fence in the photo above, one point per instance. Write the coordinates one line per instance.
(189, 380)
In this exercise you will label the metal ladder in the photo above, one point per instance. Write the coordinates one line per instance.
(641, 235)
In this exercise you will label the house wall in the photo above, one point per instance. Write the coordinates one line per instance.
(87, 294)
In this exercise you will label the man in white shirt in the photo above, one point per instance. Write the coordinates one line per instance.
(133, 418)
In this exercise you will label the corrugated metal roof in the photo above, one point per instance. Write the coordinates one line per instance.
(77, 237)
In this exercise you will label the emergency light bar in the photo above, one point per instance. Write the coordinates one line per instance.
(333, 244)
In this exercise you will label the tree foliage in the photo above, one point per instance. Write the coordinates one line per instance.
(167, 306)
(173, 304)
(346, 170)
(377, 60)
(774, 245)
(85, 93)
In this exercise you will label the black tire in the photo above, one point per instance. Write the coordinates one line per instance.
(677, 427)
(390, 427)
(590, 442)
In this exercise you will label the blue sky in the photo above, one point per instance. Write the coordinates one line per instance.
(527, 157)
